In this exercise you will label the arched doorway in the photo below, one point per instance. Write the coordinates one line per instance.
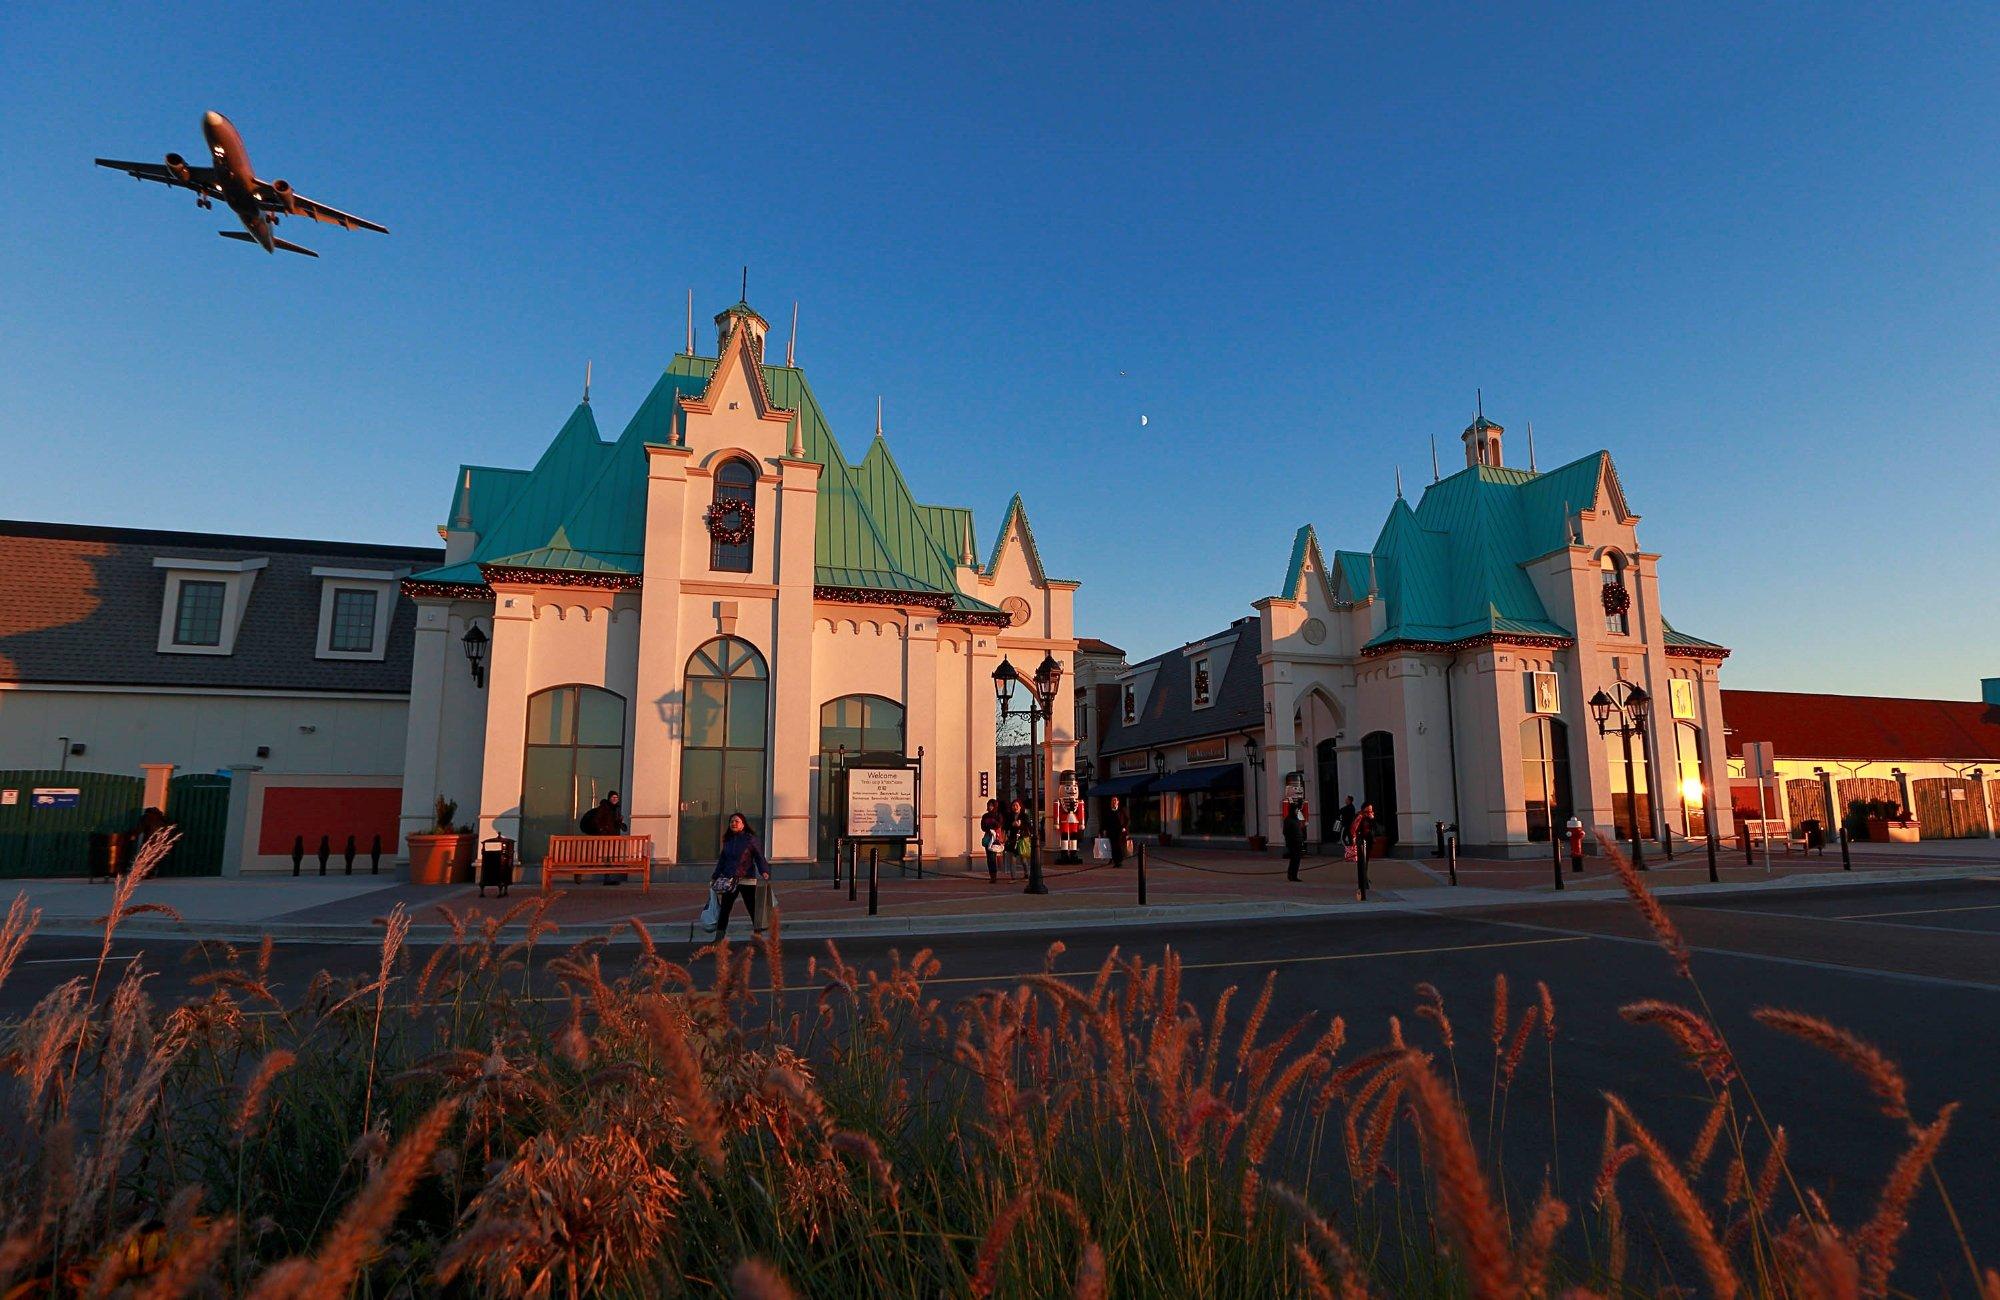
(575, 755)
(1545, 775)
(725, 718)
(1378, 781)
(1326, 769)
(852, 725)
(1692, 778)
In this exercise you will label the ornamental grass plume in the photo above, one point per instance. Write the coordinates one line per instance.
(1692, 1033)
(1663, 928)
(1864, 1058)
(1697, 1226)
(1463, 1193)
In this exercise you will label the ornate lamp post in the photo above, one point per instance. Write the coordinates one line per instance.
(474, 642)
(1630, 711)
(1042, 691)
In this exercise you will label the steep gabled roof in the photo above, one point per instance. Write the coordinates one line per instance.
(1305, 544)
(582, 509)
(1016, 511)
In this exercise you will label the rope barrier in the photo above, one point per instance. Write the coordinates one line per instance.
(1221, 871)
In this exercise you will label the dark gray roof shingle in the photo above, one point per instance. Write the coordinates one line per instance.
(1168, 715)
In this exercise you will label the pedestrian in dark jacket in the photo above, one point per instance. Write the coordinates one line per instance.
(603, 817)
(739, 869)
(1347, 816)
(1364, 842)
(1295, 836)
(1020, 827)
(1117, 830)
(992, 838)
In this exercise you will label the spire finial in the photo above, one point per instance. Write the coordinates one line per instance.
(1434, 458)
(878, 415)
(1531, 448)
(690, 350)
(586, 383)
(1399, 482)
(464, 517)
(745, 295)
(1478, 404)
(792, 344)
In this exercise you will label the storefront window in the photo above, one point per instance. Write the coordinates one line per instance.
(1693, 781)
(1144, 813)
(1213, 812)
(574, 757)
(1545, 775)
(722, 746)
(1378, 780)
(1621, 804)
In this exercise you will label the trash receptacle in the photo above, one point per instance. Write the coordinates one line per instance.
(1815, 835)
(107, 854)
(496, 864)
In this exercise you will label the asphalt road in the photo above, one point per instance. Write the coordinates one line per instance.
(1915, 968)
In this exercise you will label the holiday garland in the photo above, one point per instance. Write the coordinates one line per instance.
(730, 534)
(1616, 599)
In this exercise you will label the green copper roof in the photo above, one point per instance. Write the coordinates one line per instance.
(1675, 636)
(1454, 565)
(480, 494)
(583, 507)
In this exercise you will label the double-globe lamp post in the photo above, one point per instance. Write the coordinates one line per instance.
(1042, 690)
(1630, 710)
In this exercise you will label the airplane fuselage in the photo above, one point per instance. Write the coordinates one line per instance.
(234, 176)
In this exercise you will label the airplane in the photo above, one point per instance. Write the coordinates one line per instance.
(256, 203)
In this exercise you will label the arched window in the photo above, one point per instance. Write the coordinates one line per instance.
(575, 756)
(1545, 774)
(724, 719)
(1618, 607)
(736, 494)
(849, 727)
(1693, 779)
(1378, 780)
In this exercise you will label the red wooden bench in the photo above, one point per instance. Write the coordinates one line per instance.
(599, 855)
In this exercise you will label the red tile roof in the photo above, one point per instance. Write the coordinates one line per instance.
(1861, 726)
(1090, 645)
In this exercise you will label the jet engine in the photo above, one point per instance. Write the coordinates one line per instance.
(178, 166)
(283, 189)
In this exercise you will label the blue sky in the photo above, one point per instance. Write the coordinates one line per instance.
(1753, 254)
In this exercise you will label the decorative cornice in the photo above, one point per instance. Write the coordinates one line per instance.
(1717, 653)
(1525, 640)
(416, 590)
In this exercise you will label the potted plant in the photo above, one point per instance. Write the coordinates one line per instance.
(1890, 823)
(443, 854)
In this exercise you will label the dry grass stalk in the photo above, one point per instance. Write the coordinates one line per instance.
(1655, 915)
(1878, 1239)
(1463, 1193)
(275, 1062)
(1348, 1271)
(1500, 1011)
(1711, 1132)
(15, 932)
(1695, 1222)
(1548, 1003)
(358, 1232)
(1692, 1032)
(1431, 1007)
(1864, 1058)
(1522, 1032)
(1549, 1219)
(753, 1279)
(190, 1264)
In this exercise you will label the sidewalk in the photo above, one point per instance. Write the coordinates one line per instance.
(1183, 885)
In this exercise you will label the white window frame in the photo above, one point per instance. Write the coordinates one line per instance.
(1196, 667)
(1128, 703)
(237, 578)
(379, 581)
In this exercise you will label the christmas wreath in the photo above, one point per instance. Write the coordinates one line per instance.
(1617, 600)
(722, 530)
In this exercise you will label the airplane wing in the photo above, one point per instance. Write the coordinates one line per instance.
(199, 179)
(298, 205)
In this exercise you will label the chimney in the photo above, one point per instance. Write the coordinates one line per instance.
(1989, 691)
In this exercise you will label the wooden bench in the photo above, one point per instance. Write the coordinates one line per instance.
(1769, 830)
(599, 855)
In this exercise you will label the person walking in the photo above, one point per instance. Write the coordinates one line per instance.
(1117, 830)
(1364, 841)
(992, 838)
(1295, 836)
(739, 869)
(1346, 820)
(1020, 838)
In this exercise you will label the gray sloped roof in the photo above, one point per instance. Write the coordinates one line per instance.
(1168, 715)
(81, 605)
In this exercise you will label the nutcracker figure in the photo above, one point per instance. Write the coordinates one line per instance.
(1069, 819)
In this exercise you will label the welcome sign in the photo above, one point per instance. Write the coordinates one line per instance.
(882, 803)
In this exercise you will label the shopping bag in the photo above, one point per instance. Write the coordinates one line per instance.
(1353, 852)
(1101, 850)
(711, 913)
(763, 902)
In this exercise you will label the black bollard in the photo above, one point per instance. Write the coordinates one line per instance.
(1748, 859)
(1714, 878)
(375, 856)
(1846, 859)
(1451, 855)
(298, 852)
(325, 852)
(853, 854)
(871, 880)
(1440, 835)
(1142, 875)
(1556, 849)
(348, 854)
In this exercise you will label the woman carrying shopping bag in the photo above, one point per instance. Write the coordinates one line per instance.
(739, 869)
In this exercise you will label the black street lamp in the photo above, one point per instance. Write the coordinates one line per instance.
(1042, 691)
(1630, 711)
(474, 642)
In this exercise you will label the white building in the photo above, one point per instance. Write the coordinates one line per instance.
(705, 614)
(1443, 675)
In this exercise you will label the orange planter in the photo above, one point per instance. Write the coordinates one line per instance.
(440, 857)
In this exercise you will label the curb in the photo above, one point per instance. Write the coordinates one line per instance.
(1437, 899)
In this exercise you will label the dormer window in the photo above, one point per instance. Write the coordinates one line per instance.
(731, 518)
(355, 607)
(203, 604)
(1201, 683)
(1128, 705)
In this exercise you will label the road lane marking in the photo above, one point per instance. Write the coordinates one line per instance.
(1918, 911)
(1856, 920)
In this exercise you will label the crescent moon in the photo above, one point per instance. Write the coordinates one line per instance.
(1142, 421)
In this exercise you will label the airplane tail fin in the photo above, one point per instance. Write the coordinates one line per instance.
(280, 243)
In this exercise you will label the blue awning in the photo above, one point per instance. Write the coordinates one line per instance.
(1224, 777)
(1122, 785)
